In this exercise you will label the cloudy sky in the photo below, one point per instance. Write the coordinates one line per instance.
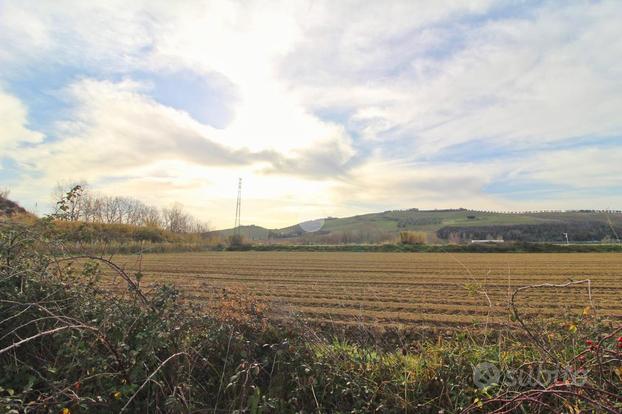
(322, 107)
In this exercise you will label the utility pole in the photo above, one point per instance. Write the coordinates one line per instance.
(238, 208)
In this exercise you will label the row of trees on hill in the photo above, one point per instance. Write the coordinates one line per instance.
(543, 232)
(91, 207)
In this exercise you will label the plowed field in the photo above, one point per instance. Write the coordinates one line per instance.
(406, 289)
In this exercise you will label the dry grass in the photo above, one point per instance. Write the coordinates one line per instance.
(413, 237)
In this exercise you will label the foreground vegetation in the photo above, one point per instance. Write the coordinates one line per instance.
(68, 345)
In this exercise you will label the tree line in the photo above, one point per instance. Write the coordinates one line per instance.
(544, 232)
(92, 207)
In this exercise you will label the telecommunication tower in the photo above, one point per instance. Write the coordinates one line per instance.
(238, 207)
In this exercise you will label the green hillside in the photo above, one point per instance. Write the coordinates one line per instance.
(251, 232)
(440, 224)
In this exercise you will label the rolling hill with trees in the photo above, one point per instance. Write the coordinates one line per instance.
(449, 225)
(91, 217)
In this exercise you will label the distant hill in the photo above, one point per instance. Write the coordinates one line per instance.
(251, 232)
(443, 225)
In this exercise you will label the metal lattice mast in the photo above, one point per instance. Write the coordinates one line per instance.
(238, 208)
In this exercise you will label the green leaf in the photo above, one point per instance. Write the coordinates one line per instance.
(253, 401)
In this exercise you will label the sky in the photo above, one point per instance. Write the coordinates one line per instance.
(323, 108)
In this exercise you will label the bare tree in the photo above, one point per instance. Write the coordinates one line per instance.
(152, 217)
(175, 219)
(91, 207)
(178, 221)
(110, 209)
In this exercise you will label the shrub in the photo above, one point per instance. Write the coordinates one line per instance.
(413, 237)
(238, 242)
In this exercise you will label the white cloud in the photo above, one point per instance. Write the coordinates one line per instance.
(396, 184)
(581, 177)
(579, 168)
(113, 129)
(122, 141)
(13, 125)
(409, 79)
(23, 36)
(512, 82)
(116, 130)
